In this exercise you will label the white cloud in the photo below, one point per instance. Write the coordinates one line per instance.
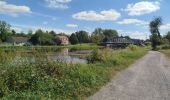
(25, 28)
(106, 15)
(141, 8)
(13, 10)
(134, 34)
(17, 29)
(62, 4)
(72, 25)
(165, 27)
(133, 21)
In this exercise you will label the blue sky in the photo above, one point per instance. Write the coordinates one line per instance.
(129, 17)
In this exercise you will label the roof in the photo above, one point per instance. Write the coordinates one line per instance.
(61, 37)
(18, 39)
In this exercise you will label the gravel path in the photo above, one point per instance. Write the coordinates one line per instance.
(147, 79)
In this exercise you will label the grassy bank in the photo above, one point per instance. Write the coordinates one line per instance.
(166, 52)
(50, 48)
(46, 79)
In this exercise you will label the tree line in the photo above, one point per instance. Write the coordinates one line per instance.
(40, 37)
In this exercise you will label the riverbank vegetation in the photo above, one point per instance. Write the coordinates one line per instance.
(48, 79)
(84, 46)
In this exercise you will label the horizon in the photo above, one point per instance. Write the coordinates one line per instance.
(127, 17)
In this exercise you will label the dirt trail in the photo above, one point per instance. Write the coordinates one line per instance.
(147, 79)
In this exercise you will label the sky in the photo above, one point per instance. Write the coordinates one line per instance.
(128, 17)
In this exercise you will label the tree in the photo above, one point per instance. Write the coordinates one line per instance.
(97, 36)
(155, 34)
(4, 30)
(30, 32)
(52, 33)
(73, 39)
(13, 32)
(42, 38)
(57, 41)
(82, 36)
(109, 33)
(155, 25)
(168, 36)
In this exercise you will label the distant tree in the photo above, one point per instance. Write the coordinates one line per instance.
(127, 37)
(155, 34)
(97, 36)
(82, 36)
(57, 41)
(4, 30)
(73, 39)
(30, 32)
(42, 38)
(105, 39)
(13, 32)
(167, 36)
(52, 33)
(109, 33)
(155, 25)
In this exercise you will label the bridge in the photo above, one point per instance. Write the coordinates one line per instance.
(121, 42)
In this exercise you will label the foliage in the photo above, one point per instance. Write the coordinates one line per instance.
(167, 36)
(82, 36)
(4, 30)
(94, 57)
(73, 39)
(156, 40)
(42, 38)
(57, 41)
(110, 33)
(132, 47)
(154, 29)
(97, 36)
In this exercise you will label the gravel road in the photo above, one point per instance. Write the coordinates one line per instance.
(147, 79)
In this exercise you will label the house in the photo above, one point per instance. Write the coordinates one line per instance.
(64, 39)
(122, 42)
(18, 41)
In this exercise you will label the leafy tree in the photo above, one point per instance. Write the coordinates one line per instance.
(42, 38)
(105, 39)
(57, 41)
(155, 25)
(52, 33)
(155, 34)
(97, 36)
(4, 30)
(13, 32)
(168, 36)
(73, 39)
(110, 33)
(30, 32)
(82, 36)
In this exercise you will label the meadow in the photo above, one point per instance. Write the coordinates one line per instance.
(47, 79)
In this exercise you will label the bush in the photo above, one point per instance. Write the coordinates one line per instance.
(132, 47)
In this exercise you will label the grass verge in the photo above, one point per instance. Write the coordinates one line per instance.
(46, 79)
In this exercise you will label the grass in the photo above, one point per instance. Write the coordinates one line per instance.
(46, 79)
(166, 52)
(50, 48)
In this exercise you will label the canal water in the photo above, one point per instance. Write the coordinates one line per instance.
(62, 55)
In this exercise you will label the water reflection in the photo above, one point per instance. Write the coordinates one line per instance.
(63, 55)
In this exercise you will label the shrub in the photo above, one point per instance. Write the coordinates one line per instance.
(133, 47)
(94, 57)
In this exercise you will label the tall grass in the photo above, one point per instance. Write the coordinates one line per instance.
(47, 79)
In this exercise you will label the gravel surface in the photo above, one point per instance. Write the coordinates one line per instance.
(147, 79)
